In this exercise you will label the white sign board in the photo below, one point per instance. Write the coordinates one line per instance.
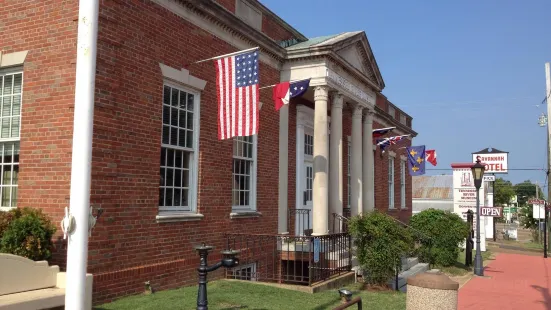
(489, 178)
(464, 198)
(494, 162)
(538, 211)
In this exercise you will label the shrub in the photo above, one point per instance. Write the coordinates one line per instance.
(26, 232)
(381, 242)
(446, 231)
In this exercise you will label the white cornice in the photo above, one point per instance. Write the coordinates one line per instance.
(226, 29)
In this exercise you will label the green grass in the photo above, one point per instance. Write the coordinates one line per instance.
(229, 295)
(527, 245)
(459, 269)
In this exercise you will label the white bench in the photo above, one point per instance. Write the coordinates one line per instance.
(30, 285)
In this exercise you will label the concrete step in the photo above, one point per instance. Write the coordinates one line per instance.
(409, 262)
(404, 275)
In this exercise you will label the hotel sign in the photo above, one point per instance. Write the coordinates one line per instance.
(495, 161)
(344, 83)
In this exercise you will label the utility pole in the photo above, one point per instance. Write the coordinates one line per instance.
(548, 101)
(539, 209)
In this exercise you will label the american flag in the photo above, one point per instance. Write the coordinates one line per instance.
(386, 142)
(237, 82)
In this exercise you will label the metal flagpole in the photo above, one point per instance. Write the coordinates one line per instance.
(77, 251)
(226, 55)
(548, 101)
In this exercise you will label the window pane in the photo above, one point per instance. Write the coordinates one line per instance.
(8, 79)
(174, 194)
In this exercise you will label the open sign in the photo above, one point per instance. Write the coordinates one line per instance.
(491, 211)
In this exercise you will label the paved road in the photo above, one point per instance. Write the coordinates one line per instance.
(513, 281)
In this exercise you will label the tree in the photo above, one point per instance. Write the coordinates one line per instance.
(527, 190)
(503, 191)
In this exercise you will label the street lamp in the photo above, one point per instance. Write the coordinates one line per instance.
(478, 172)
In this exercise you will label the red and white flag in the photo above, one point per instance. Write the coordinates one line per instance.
(430, 156)
(237, 80)
(283, 92)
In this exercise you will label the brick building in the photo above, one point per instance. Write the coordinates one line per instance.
(164, 180)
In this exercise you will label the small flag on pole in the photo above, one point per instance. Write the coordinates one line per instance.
(431, 157)
(377, 133)
(237, 81)
(416, 160)
(283, 92)
(386, 142)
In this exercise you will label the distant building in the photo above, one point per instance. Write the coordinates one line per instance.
(432, 192)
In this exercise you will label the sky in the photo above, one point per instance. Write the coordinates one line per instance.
(470, 73)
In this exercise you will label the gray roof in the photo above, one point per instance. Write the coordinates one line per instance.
(323, 40)
(432, 187)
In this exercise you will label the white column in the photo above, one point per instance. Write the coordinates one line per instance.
(283, 209)
(321, 164)
(335, 157)
(368, 164)
(356, 159)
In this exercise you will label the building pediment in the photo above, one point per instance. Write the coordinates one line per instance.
(350, 48)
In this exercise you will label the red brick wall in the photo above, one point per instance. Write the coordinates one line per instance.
(270, 26)
(48, 30)
(127, 150)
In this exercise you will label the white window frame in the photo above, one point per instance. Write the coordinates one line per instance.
(194, 154)
(254, 275)
(390, 182)
(403, 183)
(252, 191)
(3, 72)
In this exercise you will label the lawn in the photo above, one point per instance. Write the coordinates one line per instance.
(229, 295)
(459, 268)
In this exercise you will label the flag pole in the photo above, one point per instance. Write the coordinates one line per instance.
(225, 55)
(291, 81)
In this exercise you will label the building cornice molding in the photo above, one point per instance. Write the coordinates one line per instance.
(227, 27)
(385, 119)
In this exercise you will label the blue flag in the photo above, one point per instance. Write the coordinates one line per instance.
(416, 160)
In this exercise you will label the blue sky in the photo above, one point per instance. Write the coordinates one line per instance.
(469, 72)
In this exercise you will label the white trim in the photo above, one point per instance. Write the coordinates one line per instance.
(252, 207)
(392, 154)
(13, 59)
(220, 31)
(172, 215)
(402, 157)
(182, 76)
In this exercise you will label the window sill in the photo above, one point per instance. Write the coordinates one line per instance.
(178, 217)
(244, 214)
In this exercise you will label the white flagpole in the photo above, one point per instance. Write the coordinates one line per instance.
(77, 251)
(226, 55)
(291, 81)
(384, 128)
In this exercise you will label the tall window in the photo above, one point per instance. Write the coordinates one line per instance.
(178, 150)
(11, 87)
(244, 173)
(403, 184)
(390, 182)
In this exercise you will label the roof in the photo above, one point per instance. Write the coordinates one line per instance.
(432, 187)
(490, 150)
(323, 40)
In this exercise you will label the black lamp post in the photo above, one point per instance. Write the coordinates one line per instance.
(478, 173)
(229, 260)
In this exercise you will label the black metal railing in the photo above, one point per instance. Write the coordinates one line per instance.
(299, 221)
(340, 222)
(420, 239)
(300, 260)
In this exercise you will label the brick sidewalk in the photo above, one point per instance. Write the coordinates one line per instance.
(515, 282)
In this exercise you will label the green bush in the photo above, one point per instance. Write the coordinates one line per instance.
(381, 242)
(446, 231)
(26, 232)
